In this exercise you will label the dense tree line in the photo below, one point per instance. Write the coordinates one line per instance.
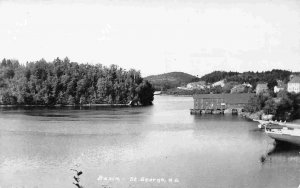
(284, 105)
(62, 82)
(268, 77)
(217, 76)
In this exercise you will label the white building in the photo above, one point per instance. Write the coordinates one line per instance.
(294, 85)
(219, 83)
(247, 85)
(277, 89)
(280, 86)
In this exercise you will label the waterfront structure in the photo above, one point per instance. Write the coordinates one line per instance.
(261, 88)
(294, 85)
(209, 103)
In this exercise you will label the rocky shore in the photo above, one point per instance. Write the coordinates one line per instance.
(257, 115)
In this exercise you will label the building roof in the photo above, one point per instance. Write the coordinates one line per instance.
(295, 79)
(232, 98)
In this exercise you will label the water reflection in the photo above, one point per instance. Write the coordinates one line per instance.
(159, 141)
(284, 150)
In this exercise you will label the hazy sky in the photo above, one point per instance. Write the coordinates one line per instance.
(192, 36)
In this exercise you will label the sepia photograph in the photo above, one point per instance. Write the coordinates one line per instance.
(149, 93)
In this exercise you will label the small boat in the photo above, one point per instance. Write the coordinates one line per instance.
(282, 131)
(262, 123)
(268, 124)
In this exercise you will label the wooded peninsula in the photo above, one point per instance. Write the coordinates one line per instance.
(62, 82)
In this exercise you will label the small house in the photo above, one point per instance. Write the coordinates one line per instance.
(261, 88)
(221, 101)
(294, 85)
(280, 86)
(219, 83)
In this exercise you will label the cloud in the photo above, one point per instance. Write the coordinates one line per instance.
(155, 37)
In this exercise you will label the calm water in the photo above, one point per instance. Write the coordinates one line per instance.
(39, 147)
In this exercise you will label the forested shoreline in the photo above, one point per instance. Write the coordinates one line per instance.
(62, 82)
(283, 105)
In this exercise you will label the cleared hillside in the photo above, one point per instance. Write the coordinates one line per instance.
(170, 80)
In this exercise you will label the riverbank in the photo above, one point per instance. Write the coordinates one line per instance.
(258, 116)
(252, 116)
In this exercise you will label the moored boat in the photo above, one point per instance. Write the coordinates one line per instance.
(286, 134)
(269, 124)
(281, 131)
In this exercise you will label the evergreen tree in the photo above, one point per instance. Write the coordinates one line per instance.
(63, 82)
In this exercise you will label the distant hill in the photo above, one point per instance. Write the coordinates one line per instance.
(175, 79)
(170, 80)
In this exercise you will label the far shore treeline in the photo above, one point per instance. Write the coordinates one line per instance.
(168, 82)
(62, 82)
